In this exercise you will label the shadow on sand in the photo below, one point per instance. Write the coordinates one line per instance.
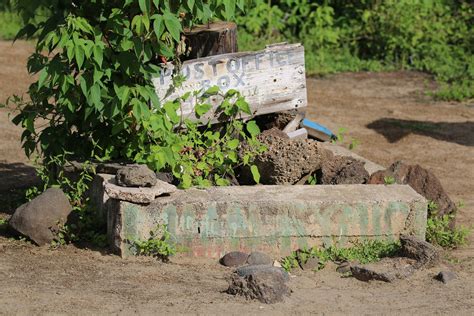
(455, 132)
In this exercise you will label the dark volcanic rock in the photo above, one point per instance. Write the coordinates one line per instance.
(234, 259)
(264, 283)
(446, 276)
(286, 161)
(257, 257)
(421, 180)
(387, 270)
(341, 170)
(135, 176)
(423, 252)
(39, 218)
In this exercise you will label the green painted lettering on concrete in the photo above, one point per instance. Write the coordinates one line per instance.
(212, 222)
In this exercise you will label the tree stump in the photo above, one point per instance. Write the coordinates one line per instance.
(211, 39)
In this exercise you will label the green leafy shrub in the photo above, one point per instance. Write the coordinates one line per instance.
(94, 95)
(203, 155)
(432, 36)
(440, 231)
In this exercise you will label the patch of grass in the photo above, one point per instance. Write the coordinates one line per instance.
(363, 252)
(439, 230)
(158, 245)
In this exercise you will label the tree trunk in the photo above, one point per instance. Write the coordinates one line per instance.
(213, 39)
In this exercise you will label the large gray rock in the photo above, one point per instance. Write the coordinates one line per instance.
(266, 284)
(39, 218)
(136, 176)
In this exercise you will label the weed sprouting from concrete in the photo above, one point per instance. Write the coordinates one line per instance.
(388, 180)
(158, 245)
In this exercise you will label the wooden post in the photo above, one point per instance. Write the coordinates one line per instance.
(214, 39)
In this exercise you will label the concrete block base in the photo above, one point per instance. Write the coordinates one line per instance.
(273, 219)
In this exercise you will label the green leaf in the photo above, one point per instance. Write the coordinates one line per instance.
(95, 94)
(222, 182)
(125, 95)
(98, 55)
(144, 6)
(233, 144)
(79, 54)
(243, 105)
(158, 25)
(157, 4)
(255, 173)
(42, 77)
(212, 90)
(229, 6)
(173, 25)
(252, 128)
(191, 4)
(202, 109)
(137, 24)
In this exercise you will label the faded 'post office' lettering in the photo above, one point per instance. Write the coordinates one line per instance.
(271, 80)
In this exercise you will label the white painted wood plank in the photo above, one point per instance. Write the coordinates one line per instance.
(272, 80)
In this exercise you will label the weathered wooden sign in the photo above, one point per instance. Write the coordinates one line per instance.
(272, 80)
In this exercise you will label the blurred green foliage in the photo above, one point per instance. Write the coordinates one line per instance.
(434, 36)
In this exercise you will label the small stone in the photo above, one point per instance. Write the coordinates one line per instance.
(310, 264)
(256, 258)
(234, 259)
(250, 269)
(136, 176)
(265, 283)
(387, 270)
(423, 252)
(39, 218)
(446, 276)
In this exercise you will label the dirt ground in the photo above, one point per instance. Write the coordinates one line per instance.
(391, 117)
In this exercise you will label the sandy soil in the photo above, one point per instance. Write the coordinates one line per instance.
(391, 117)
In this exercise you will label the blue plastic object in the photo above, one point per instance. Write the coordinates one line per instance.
(310, 125)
